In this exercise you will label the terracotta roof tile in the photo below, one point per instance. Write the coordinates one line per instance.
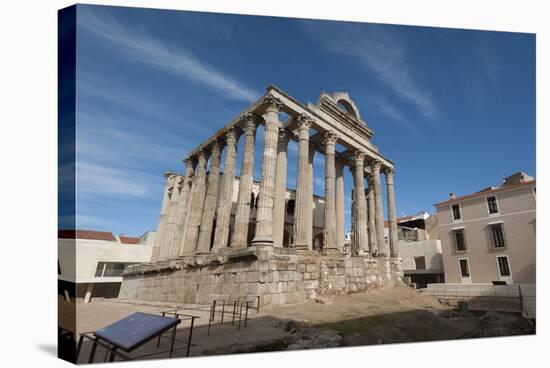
(128, 239)
(85, 234)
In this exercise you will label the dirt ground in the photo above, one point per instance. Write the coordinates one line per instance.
(394, 315)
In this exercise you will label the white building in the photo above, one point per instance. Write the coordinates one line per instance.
(90, 263)
(420, 249)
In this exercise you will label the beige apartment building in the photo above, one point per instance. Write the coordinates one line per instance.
(490, 235)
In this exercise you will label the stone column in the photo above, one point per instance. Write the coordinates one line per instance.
(379, 211)
(170, 222)
(340, 224)
(210, 201)
(329, 141)
(353, 214)
(303, 207)
(373, 232)
(183, 205)
(264, 214)
(198, 192)
(221, 237)
(311, 157)
(168, 183)
(392, 218)
(242, 214)
(360, 237)
(280, 189)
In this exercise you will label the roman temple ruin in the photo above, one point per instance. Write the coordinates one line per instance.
(221, 236)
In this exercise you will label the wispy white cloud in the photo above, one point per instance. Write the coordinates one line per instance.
(100, 140)
(385, 108)
(141, 47)
(93, 179)
(380, 52)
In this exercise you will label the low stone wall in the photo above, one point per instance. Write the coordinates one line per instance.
(280, 276)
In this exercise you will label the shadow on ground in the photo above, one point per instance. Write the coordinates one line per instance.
(268, 334)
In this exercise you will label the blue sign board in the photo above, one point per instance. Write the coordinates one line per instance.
(135, 330)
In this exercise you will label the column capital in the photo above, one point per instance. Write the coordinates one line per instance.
(230, 135)
(283, 136)
(170, 174)
(202, 156)
(250, 122)
(304, 121)
(272, 103)
(215, 147)
(358, 157)
(329, 138)
(188, 162)
(375, 166)
(388, 172)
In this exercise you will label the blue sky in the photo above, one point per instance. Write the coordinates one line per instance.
(454, 109)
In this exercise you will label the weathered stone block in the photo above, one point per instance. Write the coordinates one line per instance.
(312, 268)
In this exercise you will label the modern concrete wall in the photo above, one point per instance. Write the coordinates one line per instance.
(78, 258)
(517, 212)
(504, 298)
(430, 249)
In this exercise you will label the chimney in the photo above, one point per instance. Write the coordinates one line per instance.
(452, 195)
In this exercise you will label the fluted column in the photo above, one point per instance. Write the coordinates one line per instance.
(221, 237)
(392, 218)
(360, 237)
(340, 230)
(198, 192)
(280, 189)
(371, 208)
(375, 169)
(309, 215)
(329, 141)
(264, 214)
(168, 184)
(303, 199)
(242, 214)
(210, 201)
(353, 213)
(171, 217)
(175, 248)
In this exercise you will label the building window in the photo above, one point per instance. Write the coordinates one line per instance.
(460, 240)
(464, 267)
(498, 235)
(492, 205)
(456, 212)
(110, 269)
(503, 266)
(420, 263)
(290, 207)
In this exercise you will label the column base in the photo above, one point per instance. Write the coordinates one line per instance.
(262, 241)
(302, 247)
(330, 251)
(202, 253)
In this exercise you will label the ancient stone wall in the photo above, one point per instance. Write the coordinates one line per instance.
(277, 277)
